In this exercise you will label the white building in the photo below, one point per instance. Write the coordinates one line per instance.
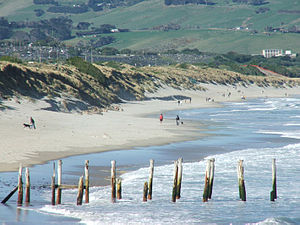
(268, 53)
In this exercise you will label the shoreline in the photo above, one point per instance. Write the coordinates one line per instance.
(59, 135)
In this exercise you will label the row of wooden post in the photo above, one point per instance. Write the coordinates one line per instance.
(81, 186)
(19, 188)
(116, 185)
(147, 193)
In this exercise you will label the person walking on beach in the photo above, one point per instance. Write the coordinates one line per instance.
(32, 123)
(161, 118)
(177, 120)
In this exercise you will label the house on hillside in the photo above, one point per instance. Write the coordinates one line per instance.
(268, 53)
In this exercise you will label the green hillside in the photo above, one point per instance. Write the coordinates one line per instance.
(225, 26)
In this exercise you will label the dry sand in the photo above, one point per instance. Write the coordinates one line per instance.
(64, 134)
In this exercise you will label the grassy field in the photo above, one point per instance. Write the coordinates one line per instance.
(203, 27)
(153, 13)
(206, 40)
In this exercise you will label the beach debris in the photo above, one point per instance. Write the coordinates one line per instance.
(145, 192)
(175, 181)
(20, 187)
(150, 179)
(113, 181)
(80, 191)
(179, 178)
(53, 186)
(27, 187)
(119, 188)
(273, 194)
(59, 180)
(87, 181)
(242, 188)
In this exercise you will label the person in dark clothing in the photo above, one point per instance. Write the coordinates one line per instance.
(177, 120)
(32, 123)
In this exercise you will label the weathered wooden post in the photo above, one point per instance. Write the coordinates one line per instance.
(119, 188)
(113, 181)
(274, 185)
(59, 181)
(206, 182)
(211, 177)
(242, 188)
(20, 187)
(175, 181)
(53, 185)
(87, 181)
(9, 195)
(150, 179)
(27, 189)
(80, 191)
(178, 191)
(145, 192)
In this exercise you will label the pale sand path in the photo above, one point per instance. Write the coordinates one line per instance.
(64, 134)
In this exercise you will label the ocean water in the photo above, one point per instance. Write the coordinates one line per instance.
(255, 131)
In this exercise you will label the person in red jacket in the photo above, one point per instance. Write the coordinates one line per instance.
(161, 117)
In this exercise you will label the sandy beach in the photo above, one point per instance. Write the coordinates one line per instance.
(137, 124)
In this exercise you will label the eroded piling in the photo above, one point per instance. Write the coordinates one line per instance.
(119, 188)
(145, 192)
(178, 188)
(27, 187)
(20, 187)
(87, 181)
(80, 191)
(113, 181)
(175, 181)
(53, 186)
(242, 188)
(273, 194)
(206, 181)
(211, 177)
(59, 181)
(150, 179)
